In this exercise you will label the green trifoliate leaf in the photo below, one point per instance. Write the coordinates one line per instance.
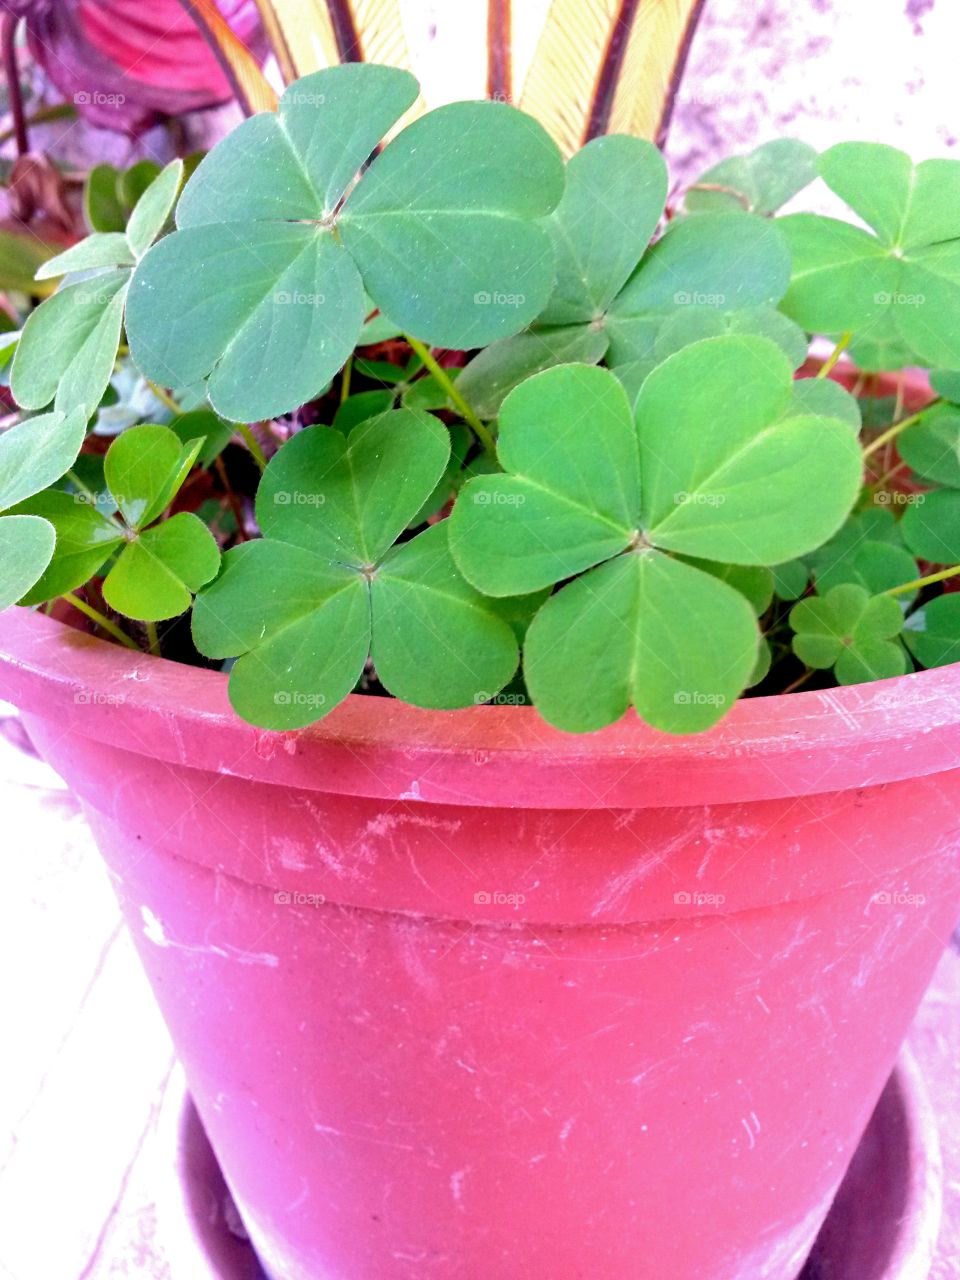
(641, 630)
(824, 398)
(931, 526)
(35, 453)
(851, 631)
(723, 262)
(694, 323)
(361, 407)
(760, 182)
(752, 581)
(874, 565)
(158, 570)
(725, 475)
(932, 447)
(494, 372)
(571, 494)
(436, 642)
(301, 608)
(445, 229)
(932, 634)
(144, 470)
(900, 282)
(351, 501)
(26, 548)
(154, 208)
(614, 196)
(69, 345)
(85, 539)
(790, 579)
(102, 249)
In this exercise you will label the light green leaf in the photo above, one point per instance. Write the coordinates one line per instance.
(26, 548)
(350, 501)
(205, 425)
(153, 208)
(946, 383)
(571, 497)
(494, 372)
(790, 579)
(270, 310)
(932, 634)
(102, 206)
(843, 277)
(931, 527)
(724, 477)
(102, 249)
(824, 398)
(932, 447)
(436, 641)
(615, 191)
(300, 625)
(85, 538)
(69, 345)
(144, 469)
(694, 323)
(157, 572)
(760, 182)
(645, 630)
(876, 566)
(35, 453)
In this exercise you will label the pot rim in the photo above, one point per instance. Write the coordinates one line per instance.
(770, 747)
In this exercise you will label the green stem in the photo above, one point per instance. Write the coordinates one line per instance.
(924, 582)
(345, 379)
(78, 484)
(253, 444)
(450, 387)
(892, 432)
(165, 397)
(153, 640)
(96, 616)
(827, 367)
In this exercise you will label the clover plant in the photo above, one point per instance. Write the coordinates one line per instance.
(422, 411)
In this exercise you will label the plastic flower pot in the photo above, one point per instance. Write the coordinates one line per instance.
(458, 994)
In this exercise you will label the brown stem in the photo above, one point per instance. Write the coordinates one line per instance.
(8, 35)
(232, 499)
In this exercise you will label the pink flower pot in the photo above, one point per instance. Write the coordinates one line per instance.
(460, 995)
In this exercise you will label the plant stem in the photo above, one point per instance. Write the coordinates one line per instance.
(345, 379)
(253, 444)
(232, 500)
(799, 681)
(96, 616)
(153, 640)
(892, 432)
(165, 397)
(8, 35)
(75, 480)
(923, 582)
(827, 367)
(450, 387)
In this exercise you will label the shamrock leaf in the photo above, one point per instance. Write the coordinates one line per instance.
(851, 631)
(710, 469)
(931, 526)
(898, 282)
(326, 588)
(157, 566)
(604, 304)
(33, 454)
(760, 182)
(69, 344)
(274, 249)
(932, 447)
(932, 634)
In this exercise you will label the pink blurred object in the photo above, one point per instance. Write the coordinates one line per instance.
(125, 63)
